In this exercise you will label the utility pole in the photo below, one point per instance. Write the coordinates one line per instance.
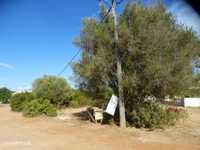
(119, 64)
(119, 69)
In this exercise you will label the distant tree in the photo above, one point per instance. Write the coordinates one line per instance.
(5, 95)
(55, 89)
(156, 54)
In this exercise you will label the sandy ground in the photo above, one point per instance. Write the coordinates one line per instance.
(68, 132)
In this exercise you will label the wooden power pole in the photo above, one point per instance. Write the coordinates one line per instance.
(119, 64)
(119, 69)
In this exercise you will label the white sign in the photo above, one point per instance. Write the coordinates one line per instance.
(112, 105)
(192, 102)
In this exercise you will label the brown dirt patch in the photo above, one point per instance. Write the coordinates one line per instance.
(69, 132)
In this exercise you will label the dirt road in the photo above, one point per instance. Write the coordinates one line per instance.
(19, 133)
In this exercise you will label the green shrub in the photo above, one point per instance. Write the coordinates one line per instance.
(5, 95)
(38, 107)
(152, 115)
(79, 99)
(51, 111)
(53, 88)
(32, 109)
(18, 101)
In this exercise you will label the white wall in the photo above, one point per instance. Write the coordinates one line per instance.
(191, 102)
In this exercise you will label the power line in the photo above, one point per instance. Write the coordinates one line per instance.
(105, 2)
(109, 10)
(105, 16)
(119, 2)
(69, 63)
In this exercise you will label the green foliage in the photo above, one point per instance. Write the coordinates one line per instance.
(55, 89)
(18, 101)
(50, 111)
(79, 99)
(32, 109)
(38, 107)
(152, 115)
(30, 106)
(197, 63)
(155, 53)
(5, 95)
(194, 89)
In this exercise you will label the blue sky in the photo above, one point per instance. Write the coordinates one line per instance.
(36, 36)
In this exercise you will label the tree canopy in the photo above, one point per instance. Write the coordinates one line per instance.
(156, 53)
(55, 89)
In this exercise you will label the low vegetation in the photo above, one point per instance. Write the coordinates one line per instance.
(49, 94)
(5, 95)
(79, 99)
(152, 115)
(39, 107)
(20, 100)
(30, 106)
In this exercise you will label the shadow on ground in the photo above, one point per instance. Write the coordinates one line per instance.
(82, 115)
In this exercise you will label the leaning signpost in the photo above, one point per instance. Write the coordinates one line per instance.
(112, 105)
(96, 114)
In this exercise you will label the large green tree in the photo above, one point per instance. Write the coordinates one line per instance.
(55, 89)
(156, 53)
